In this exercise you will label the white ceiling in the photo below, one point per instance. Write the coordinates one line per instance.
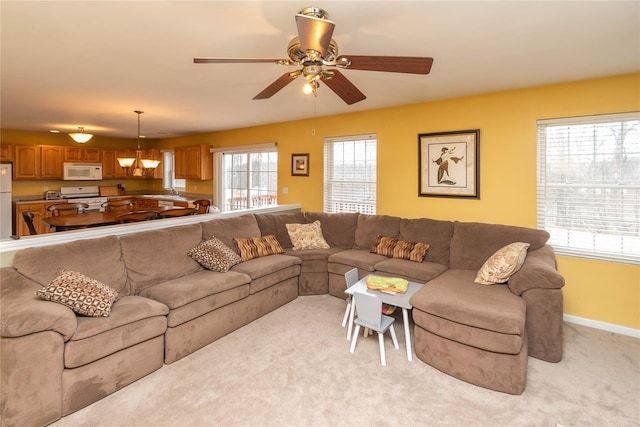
(92, 63)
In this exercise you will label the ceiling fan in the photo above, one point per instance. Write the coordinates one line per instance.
(314, 49)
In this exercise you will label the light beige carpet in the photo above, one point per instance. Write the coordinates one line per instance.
(292, 367)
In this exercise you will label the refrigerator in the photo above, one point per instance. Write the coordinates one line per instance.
(6, 211)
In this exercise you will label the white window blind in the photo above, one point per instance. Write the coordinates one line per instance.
(589, 185)
(350, 174)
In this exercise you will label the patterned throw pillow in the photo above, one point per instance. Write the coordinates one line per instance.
(254, 247)
(390, 247)
(215, 255)
(80, 293)
(307, 236)
(502, 264)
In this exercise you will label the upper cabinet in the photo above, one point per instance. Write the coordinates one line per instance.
(193, 162)
(38, 161)
(82, 154)
(6, 153)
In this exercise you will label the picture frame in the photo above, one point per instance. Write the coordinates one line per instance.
(300, 164)
(448, 164)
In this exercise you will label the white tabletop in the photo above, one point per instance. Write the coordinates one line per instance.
(396, 299)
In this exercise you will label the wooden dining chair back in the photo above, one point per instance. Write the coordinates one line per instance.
(28, 217)
(125, 205)
(172, 213)
(202, 205)
(67, 208)
(135, 216)
(369, 309)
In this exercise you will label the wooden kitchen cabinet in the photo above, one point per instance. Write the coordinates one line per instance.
(193, 162)
(38, 161)
(51, 162)
(6, 153)
(39, 211)
(109, 164)
(82, 154)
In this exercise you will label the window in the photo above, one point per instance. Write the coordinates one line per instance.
(589, 185)
(350, 174)
(169, 181)
(247, 176)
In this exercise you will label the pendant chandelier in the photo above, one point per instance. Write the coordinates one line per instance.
(81, 137)
(136, 166)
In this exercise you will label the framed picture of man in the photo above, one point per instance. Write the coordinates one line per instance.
(448, 164)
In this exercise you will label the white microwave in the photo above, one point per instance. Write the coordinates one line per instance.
(82, 171)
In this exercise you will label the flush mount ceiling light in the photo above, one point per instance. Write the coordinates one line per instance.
(140, 167)
(80, 137)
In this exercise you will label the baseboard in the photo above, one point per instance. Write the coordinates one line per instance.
(610, 327)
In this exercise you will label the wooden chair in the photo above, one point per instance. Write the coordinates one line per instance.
(135, 216)
(171, 213)
(202, 205)
(67, 208)
(119, 205)
(369, 309)
(28, 219)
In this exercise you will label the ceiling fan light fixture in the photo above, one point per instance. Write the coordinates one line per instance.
(311, 88)
(80, 137)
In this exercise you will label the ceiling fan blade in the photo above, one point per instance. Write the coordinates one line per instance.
(274, 87)
(344, 88)
(314, 33)
(391, 64)
(207, 60)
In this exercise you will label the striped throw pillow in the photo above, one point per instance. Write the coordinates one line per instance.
(394, 248)
(254, 247)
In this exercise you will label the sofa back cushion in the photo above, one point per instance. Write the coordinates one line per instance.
(276, 224)
(338, 229)
(99, 259)
(156, 256)
(473, 243)
(226, 229)
(370, 226)
(434, 232)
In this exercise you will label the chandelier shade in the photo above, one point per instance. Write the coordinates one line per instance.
(80, 137)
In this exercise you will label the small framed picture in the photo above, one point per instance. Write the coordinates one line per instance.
(448, 164)
(300, 164)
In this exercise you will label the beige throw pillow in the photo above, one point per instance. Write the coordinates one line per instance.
(307, 236)
(502, 264)
(80, 293)
(215, 255)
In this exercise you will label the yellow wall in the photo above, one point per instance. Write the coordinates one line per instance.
(601, 291)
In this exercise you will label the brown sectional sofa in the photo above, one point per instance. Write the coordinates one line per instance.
(54, 362)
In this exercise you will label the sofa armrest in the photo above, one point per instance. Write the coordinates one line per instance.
(23, 313)
(538, 272)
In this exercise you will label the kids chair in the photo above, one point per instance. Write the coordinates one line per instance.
(369, 310)
(351, 277)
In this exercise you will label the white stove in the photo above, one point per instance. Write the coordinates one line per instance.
(89, 194)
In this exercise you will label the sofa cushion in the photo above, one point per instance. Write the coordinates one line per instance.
(276, 224)
(361, 259)
(99, 259)
(338, 229)
(215, 255)
(502, 264)
(434, 232)
(256, 247)
(473, 243)
(270, 270)
(226, 229)
(395, 248)
(420, 272)
(369, 226)
(80, 293)
(156, 256)
(454, 296)
(307, 236)
(133, 320)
